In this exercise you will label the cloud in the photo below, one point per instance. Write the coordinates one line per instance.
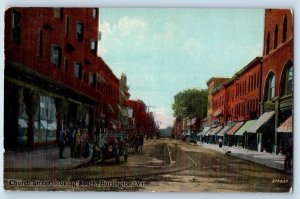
(164, 119)
(193, 47)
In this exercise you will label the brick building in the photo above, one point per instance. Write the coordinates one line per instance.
(212, 84)
(277, 72)
(49, 52)
(262, 91)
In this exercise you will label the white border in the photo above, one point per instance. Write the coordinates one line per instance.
(4, 4)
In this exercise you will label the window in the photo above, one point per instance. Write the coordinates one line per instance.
(276, 37)
(77, 70)
(55, 55)
(94, 13)
(286, 84)
(284, 30)
(66, 65)
(254, 82)
(94, 47)
(15, 26)
(270, 87)
(57, 13)
(79, 31)
(268, 44)
(92, 79)
(40, 44)
(67, 25)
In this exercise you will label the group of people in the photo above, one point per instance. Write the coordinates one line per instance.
(77, 139)
(137, 143)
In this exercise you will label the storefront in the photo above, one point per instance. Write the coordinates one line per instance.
(230, 137)
(240, 135)
(285, 133)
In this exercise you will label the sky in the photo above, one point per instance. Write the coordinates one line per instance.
(166, 50)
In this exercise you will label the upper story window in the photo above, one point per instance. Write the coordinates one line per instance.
(79, 31)
(93, 79)
(40, 44)
(276, 37)
(67, 25)
(15, 26)
(77, 70)
(286, 83)
(284, 30)
(270, 87)
(57, 13)
(55, 55)
(94, 47)
(268, 44)
(94, 13)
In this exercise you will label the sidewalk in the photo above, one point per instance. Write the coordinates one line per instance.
(43, 158)
(263, 158)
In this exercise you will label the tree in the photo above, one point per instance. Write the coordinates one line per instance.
(190, 103)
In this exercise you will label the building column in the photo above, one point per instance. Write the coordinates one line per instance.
(31, 99)
(12, 102)
(91, 125)
(58, 106)
(276, 122)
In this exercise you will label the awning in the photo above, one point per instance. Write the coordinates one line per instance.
(262, 120)
(245, 127)
(224, 130)
(22, 123)
(235, 128)
(193, 121)
(286, 126)
(214, 131)
(205, 130)
(218, 113)
(123, 111)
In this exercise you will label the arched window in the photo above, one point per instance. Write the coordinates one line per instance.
(276, 37)
(268, 44)
(270, 87)
(284, 29)
(286, 82)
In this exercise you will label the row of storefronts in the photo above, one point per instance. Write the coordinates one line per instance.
(54, 78)
(254, 108)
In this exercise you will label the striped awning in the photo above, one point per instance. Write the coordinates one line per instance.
(245, 127)
(218, 113)
(224, 130)
(262, 120)
(214, 131)
(205, 130)
(235, 128)
(286, 126)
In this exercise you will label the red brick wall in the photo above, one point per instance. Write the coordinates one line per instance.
(279, 57)
(25, 51)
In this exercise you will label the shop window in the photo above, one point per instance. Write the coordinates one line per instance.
(79, 31)
(284, 30)
(55, 55)
(15, 26)
(77, 70)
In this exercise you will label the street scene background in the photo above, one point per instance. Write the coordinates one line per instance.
(102, 99)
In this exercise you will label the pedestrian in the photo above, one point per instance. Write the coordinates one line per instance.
(72, 141)
(141, 143)
(289, 155)
(61, 143)
(84, 143)
(220, 142)
(76, 153)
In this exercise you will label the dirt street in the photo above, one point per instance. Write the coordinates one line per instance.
(164, 166)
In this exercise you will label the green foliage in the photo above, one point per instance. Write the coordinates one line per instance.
(190, 103)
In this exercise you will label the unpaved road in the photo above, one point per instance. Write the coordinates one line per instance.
(190, 169)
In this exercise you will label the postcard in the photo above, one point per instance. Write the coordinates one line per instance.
(148, 99)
